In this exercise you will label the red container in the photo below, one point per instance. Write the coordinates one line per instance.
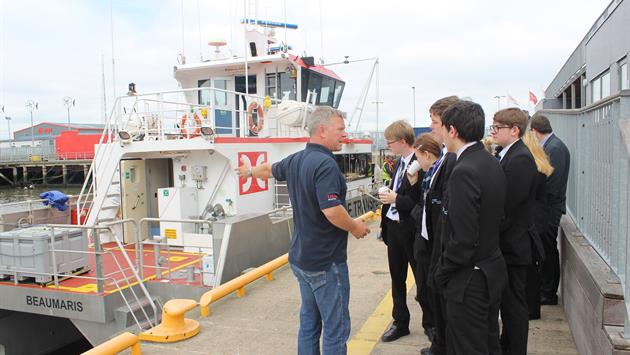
(73, 216)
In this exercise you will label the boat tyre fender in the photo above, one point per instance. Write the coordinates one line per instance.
(255, 128)
(184, 130)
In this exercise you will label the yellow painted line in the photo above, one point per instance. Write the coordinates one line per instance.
(363, 342)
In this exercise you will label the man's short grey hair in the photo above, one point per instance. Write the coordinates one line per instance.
(321, 116)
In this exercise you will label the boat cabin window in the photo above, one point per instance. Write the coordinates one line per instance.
(328, 90)
(204, 96)
(278, 84)
(355, 166)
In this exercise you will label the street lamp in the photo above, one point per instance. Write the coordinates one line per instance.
(68, 102)
(413, 88)
(498, 97)
(32, 106)
(8, 127)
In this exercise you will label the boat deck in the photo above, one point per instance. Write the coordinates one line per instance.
(265, 320)
(85, 283)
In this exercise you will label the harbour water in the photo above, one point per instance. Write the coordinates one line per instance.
(21, 194)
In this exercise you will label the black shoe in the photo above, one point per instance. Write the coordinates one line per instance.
(549, 301)
(426, 351)
(430, 333)
(394, 332)
(534, 316)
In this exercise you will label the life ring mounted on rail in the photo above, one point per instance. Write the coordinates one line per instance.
(184, 130)
(255, 128)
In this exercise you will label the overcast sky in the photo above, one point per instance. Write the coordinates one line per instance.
(476, 49)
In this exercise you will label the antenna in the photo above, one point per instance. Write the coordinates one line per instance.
(321, 33)
(111, 27)
(104, 112)
(183, 51)
(199, 27)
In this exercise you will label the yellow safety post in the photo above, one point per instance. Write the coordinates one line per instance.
(238, 283)
(174, 326)
(116, 345)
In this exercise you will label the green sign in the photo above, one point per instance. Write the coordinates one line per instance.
(165, 193)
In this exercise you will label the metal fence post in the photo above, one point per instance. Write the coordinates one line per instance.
(98, 260)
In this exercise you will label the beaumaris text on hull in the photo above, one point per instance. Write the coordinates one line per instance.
(162, 214)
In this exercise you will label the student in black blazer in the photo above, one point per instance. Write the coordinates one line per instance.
(539, 224)
(398, 227)
(521, 175)
(441, 170)
(556, 188)
(471, 270)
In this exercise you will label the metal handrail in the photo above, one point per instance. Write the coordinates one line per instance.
(98, 262)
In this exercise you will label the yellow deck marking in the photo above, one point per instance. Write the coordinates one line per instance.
(176, 259)
(370, 333)
(87, 288)
(91, 287)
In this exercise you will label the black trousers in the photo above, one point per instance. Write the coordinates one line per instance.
(533, 291)
(422, 254)
(399, 256)
(473, 325)
(438, 346)
(514, 312)
(550, 274)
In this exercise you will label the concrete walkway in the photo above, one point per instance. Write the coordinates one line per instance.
(265, 321)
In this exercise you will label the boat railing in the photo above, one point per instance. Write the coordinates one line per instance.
(181, 114)
(160, 245)
(29, 207)
(119, 278)
(98, 254)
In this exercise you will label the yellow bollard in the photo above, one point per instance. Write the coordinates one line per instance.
(116, 345)
(174, 326)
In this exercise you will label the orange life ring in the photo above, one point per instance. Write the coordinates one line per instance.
(196, 132)
(255, 128)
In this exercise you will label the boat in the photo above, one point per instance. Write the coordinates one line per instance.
(162, 214)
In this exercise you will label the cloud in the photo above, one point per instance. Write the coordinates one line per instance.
(52, 49)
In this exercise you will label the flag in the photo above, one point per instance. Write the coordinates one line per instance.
(512, 100)
(532, 98)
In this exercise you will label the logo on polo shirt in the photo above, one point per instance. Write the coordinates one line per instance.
(333, 197)
(250, 184)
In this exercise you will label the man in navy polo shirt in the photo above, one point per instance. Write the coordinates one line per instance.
(318, 252)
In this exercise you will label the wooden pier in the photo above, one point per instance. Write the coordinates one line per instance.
(57, 172)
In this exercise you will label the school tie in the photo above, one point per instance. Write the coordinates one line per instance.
(393, 212)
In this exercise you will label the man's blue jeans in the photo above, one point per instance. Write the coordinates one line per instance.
(325, 298)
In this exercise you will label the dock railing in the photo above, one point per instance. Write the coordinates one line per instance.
(598, 191)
